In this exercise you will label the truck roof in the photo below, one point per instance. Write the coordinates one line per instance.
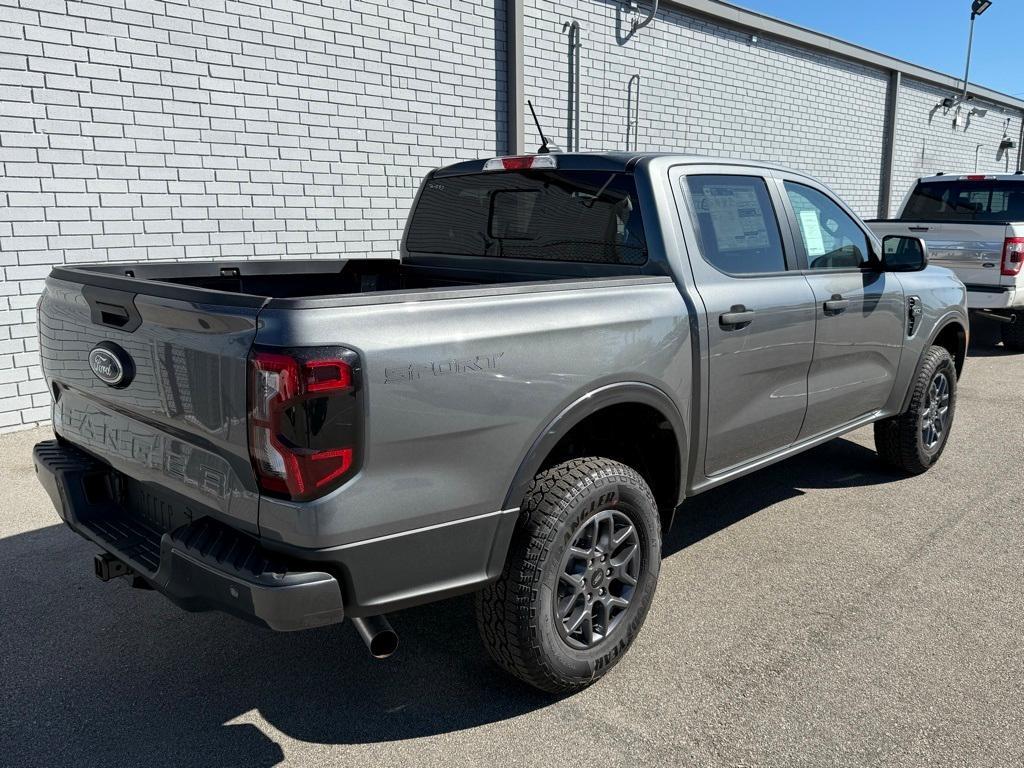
(612, 161)
(1018, 176)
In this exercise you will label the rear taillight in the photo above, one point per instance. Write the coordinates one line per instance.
(1013, 256)
(305, 420)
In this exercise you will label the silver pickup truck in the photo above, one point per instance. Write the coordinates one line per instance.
(569, 347)
(973, 224)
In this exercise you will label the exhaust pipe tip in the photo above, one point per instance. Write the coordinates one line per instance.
(376, 632)
(384, 644)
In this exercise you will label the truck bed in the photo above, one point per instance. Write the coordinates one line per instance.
(325, 282)
(186, 329)
(284, 279)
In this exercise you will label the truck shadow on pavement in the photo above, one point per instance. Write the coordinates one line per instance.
(986, 340)
(103, 674)
(836, 464)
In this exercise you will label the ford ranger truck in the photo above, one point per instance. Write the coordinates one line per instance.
(568, 348)
(973, 224)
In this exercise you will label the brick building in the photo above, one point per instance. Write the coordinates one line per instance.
(141, 129)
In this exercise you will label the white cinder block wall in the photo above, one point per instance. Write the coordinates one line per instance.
(141, 129)
(927, 141)
(708, 89)
(138, 129)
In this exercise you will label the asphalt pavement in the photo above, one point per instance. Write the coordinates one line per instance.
(822, 612)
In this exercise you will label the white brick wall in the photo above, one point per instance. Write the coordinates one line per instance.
(143, 129)
(707, 89)
(927, 141)
(138, 129)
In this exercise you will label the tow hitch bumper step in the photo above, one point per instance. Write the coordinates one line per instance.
(108, 567)
(200, 566)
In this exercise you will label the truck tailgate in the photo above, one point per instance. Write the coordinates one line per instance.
(179, 423)
(972, 250)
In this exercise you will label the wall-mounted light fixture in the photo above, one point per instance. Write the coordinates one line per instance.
(639, 22)
(1007, 142)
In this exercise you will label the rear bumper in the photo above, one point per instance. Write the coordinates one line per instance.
(993, 297)
(200, 566)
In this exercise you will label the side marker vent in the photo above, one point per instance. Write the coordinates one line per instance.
(914, 312)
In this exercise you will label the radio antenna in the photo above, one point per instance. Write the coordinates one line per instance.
(545, 145)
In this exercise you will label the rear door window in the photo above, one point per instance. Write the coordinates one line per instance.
(580, 216)
(988, 200)
(738, 228)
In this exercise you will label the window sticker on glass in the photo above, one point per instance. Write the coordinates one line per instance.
(739, 223)
(813, 238)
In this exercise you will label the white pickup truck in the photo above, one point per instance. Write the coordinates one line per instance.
(973, 224)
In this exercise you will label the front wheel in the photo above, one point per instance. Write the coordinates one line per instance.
(579, 578)
(914, 440)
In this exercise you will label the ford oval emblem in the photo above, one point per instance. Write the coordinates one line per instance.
(111, 364)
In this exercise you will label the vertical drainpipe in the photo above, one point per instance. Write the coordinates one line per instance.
(892, 102)
(633, 113)
(572, 126)
(1020, 145)
(515, 91)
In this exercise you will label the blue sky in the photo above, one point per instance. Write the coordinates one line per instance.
(932, 33)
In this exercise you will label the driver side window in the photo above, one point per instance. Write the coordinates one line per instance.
(832, 240)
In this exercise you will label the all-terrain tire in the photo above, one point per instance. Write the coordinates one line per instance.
(1013, 333)
(900, 440)
(518, 614)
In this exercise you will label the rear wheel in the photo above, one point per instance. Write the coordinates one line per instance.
(1013, 333)
(579, 578)
(914, 440)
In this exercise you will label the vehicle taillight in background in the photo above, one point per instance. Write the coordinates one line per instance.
(1013, 256)
(305, 420)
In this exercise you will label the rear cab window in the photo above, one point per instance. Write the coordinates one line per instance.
(549, 215)
(981, 200)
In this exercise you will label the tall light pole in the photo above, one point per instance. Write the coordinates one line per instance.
(978, 7)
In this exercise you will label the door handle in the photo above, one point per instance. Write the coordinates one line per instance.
(738, 316)
(836, 304)
(919, 229)
(113, 315)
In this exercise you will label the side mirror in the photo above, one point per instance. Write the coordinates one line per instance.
(901, 253)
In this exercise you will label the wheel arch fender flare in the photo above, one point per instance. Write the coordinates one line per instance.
(621, 393)
(944, 322)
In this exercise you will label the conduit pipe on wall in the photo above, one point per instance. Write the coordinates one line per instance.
(1020, 145)
(572, 126)
(632, 112)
